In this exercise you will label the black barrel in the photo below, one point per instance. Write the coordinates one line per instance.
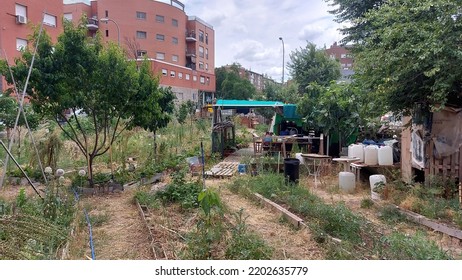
(291, 170)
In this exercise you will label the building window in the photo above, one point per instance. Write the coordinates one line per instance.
(172, 74)
(68, 17)
(141, 35)
(201, 65)
(21, 10)
(49, 20)
(160, 37)
(141, 53)
(160, 19)
(21, 44)
(201, 51)
(164, 72)
(207, 66)
(175, 40)
(202, 80)
(195, 78)
(207, 38)
(174, 58)
(201, 36)
(187, 77)
(180, 75)
(207, 53)
(160, 56)
(141, 15)
(175, 22)
(107, 33)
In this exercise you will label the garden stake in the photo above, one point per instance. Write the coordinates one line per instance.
(203, 164)
(460, 195)
(20, 168)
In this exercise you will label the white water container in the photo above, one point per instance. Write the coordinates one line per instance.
(371, 155)
(346, 182)
(385, 155)
(356, 151)
(375, 181)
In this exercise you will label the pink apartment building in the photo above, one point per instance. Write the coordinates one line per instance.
(181, 48)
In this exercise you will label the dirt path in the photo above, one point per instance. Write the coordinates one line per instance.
(118, 230)
(288, 243)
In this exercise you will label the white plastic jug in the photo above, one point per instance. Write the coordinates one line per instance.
(371, 156)
(346, 182)
(375, 181)
(357, 151)
(385, 155)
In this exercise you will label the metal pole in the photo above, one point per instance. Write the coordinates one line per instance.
(21, 102)
(20, 168)
(283, 55)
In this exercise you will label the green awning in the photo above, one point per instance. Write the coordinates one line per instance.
(233, 104)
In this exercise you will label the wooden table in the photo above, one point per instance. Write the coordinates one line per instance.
(319, 163)
(346, 162)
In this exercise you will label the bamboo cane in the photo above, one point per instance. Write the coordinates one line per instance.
(460, 195)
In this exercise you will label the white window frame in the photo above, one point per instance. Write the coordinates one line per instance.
(160, 37)
(68, 16)
(164, 72)
(175, 58)
(195, 78)
(143, 33)
(172, 74)
(141, 15)
(50, 20)
(188, 77)
(202, 80)
(21, 44)
(180, 75)
(160, 56)
(21, 10)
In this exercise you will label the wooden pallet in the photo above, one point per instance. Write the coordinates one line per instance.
(223, 170)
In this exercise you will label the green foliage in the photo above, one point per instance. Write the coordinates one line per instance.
(186, 193)
(391, 215)
(230, 85)
(78, 73)
(146, 198)
(208, 199)
(21, 199)
(311, 65)
(415, 247)
(245, 245)
(411, 53)
(9, 110)
(367, 203)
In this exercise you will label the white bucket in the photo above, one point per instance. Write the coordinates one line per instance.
(371, 156)
(385, 155)
(346, 182)
(374, 181)
(356, 151)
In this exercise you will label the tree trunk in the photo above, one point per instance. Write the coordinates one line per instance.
(155, 145)
(90, 170)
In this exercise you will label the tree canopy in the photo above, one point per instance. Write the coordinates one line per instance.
(413, 54)
(229, 85)
(80, 73)
(310, 64)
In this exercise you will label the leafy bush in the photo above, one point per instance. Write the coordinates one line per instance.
(146, 198)
(391, 215)
(417, 247)
(179, 190)
(245, 245)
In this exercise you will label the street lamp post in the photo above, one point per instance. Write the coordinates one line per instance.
(106, 20)
(282, 40)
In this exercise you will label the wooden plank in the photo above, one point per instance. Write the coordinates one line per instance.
(460, 164)
(293, 219)
(417, 218)
(406, 160)
(446, 166)
(453, 165)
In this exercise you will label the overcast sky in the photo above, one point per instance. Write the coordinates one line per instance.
(248, 32)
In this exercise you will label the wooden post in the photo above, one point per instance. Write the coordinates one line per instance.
(321, 144)
(460, 194)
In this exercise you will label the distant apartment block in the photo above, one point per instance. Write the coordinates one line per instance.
(181, 48)
(16, 20)
(257, 80)
(343, 55)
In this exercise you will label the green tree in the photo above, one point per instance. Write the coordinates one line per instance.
(80, 73)
(230, 85)
(414, 53)
(353, 12)
(312, 65)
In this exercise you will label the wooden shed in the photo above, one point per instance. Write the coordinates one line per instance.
(433, 146)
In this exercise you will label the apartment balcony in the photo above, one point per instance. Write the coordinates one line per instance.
(190, 53)
(191, 66)
(92, 24)
(191, 36)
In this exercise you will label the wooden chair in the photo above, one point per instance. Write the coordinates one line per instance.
(257, 146)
